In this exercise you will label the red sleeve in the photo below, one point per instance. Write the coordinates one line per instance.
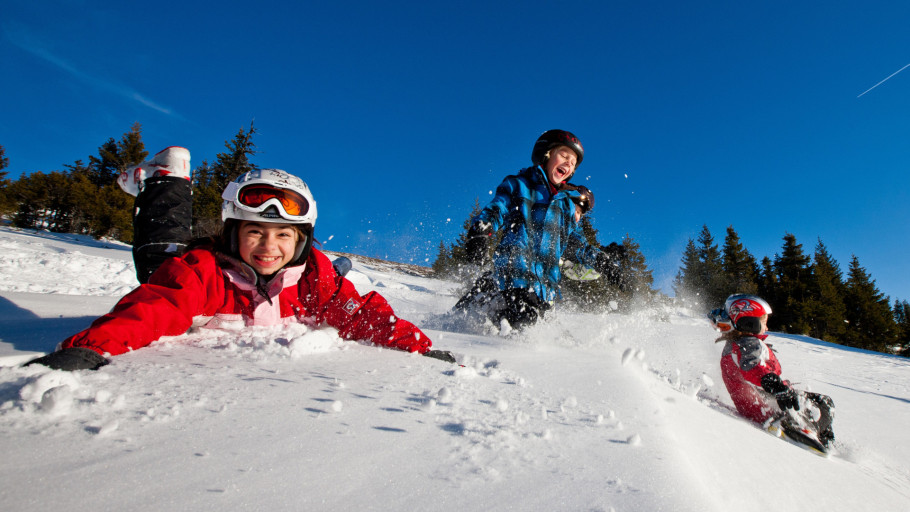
(368, 317)
(178, 291)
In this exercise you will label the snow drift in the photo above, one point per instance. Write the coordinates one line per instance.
(612, 412)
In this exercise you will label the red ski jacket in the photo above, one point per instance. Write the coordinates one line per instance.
(205, 288)
(745, 360)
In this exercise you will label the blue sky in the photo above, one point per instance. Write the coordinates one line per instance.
(769, 116)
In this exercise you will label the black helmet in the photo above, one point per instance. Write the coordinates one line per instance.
(552, 138)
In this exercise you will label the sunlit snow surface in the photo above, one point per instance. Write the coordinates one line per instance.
(584, 412)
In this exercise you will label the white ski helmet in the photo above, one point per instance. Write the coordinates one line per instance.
(745, 311)
(270, 195)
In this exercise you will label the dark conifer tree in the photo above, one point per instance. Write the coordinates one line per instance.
(637, 277)
(453, 261)
(111, 209)
(713, 278)
(825, 306)
(739, 266)
(6, 205)
(103, 169)
(793, 276)
(45, 201)
(211, 181)
(115, 157)
(902, 319)
(443, 264)
(686, 285)
(701, 279)
(868, 312)
(767, 280)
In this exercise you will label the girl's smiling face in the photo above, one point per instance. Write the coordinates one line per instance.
(265, 246)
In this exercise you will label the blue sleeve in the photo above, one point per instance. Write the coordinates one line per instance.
(494, 213)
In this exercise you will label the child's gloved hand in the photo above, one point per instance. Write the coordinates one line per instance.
(476, 245)
(784, 394)
(787, 400)
(71, 359)
(442, 355)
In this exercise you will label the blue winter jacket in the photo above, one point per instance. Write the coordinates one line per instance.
(538, 223)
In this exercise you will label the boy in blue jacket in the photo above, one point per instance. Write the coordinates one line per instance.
(538, 211)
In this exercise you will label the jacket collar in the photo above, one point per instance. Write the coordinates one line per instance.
(244, 277)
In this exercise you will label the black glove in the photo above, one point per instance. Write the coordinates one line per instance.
(786, 397)
(609, 263)
(616, 252)
(476, 246)
(442, 355)
(71, 359)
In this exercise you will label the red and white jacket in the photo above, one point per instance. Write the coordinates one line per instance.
(204, 288)
(745, 360)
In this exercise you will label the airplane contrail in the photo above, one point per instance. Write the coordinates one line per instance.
(24, 40)
(885, 80)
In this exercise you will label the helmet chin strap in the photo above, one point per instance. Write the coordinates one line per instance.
(301, 245)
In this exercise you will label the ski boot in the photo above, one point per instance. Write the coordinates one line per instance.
(171, 161)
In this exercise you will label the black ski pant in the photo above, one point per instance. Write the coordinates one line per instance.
(162, 220)
(519, 306)
(522, 307)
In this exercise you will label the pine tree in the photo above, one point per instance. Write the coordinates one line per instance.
(84, 198)
(902, 319)
(637, 277)
(79, 206)
(211, 181)
(4, 163)
(714, 279)
(767, 280)
(825, 306)
(115, 157)
(103, 168)
(685, 284)
(701, 278)
(457, 258)
(44, 201)
(739, 266)
(870, 319)
(793, 276)
(6, 205)
(111, 209)
(443, 264)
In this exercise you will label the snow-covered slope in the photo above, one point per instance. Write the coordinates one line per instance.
(584, 412)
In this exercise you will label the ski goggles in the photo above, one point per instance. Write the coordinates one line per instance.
(256, 197)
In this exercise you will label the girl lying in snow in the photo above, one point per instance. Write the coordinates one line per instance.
(261, 270)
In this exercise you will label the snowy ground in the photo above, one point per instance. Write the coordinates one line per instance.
(617, 412)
